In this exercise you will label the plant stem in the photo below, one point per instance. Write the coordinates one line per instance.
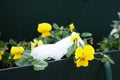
(108, 71)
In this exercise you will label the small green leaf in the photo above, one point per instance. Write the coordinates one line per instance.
(12, 42)
(118, 14)
(27, 54)
(5, 57)
(25, 60)
(55, 26)
(45, 40)
(39, 65)
(71, 50)
(107, 59)
(86, 34)
(2, 44)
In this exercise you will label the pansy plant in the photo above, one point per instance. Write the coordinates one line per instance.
(76, 46)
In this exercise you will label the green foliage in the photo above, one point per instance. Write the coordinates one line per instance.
(55, 26)
(12, 42)
(2, 44)
(116, 23)
(86, 34)
(39, 65)
(107, 59)
(109, 43)
(25, 60)
(56, 34)
(71, 50)
(112, 42)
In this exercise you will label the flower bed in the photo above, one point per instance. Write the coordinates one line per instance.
(51, 45)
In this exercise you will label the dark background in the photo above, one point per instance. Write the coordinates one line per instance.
(19, 18)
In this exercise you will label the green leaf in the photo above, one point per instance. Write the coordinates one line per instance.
(55, 26)
(71, 50)
(5, 57)
(27, 54)
(107, 59)
(86, 34)
(85, 41)
(2, 44)
(58, 38)
(25, 60)
(39, 65)
(12, 42)
(118, 14)
(46, 40)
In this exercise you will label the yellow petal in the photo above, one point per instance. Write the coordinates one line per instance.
(32, 47)
(75, 37)
(1, 52)
(21, 49)
(46, 34)
(89, 52)
(90, 57)
(82, 62)
(40, 43)
(61, 28)
(44, 27)
(89, 49)
(78, 52)
(17, 57)
(35, 41)
(0, 57)
(71, 27)
(13, 50)
(16, 50)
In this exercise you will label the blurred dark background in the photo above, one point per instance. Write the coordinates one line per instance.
(19, 18)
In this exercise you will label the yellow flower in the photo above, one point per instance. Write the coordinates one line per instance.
(83, 55)
(61, 28)
(45, 29)
(75, 37)
(1, 53)
(71, 27)
(17, 52)
(36, 43)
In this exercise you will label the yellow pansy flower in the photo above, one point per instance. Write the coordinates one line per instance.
(45, 29)
(83, 55)
(75, 37)
(36, 43)
(71, 27)
(1, 53)
(17, 52)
